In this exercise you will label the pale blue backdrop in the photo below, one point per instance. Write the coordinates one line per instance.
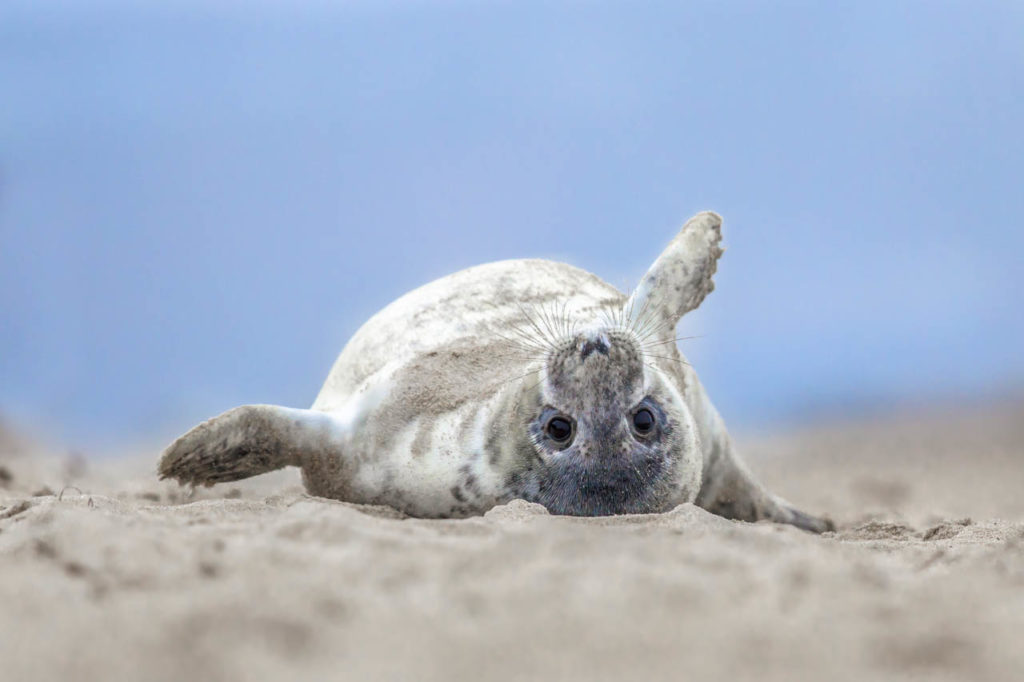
(201, 200)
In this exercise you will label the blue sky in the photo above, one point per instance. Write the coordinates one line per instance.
(200, 202)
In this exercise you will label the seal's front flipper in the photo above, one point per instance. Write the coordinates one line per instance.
(681, 277)
(746, 500)
(799, 519)
(731, 491)
(247, 441)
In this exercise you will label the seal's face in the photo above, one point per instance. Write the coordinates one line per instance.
(604, 429)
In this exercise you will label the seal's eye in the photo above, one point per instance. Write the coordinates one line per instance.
(559, 429)
(643, 421)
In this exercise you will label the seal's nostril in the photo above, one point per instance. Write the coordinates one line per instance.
(599, 344)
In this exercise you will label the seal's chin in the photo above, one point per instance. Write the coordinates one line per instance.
(601, 488)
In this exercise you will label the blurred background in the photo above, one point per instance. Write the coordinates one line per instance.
(201, 200)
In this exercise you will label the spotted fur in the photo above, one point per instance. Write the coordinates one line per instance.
(440, 405)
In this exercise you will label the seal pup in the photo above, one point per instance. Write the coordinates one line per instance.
(517, 379)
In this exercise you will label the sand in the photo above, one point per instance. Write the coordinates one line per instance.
(123, 578)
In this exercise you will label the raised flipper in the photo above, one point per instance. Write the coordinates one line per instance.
(677, 283)
(247, 441)
(681, 277)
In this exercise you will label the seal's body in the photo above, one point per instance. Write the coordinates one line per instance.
(518, 379)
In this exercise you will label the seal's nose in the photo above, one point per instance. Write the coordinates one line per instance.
(589, 344)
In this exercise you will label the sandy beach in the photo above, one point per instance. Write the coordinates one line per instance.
(122, 577)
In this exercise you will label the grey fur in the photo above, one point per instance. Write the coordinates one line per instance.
(442, 404)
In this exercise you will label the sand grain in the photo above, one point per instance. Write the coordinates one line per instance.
(124, 578)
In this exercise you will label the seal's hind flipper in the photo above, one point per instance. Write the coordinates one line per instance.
(247, 441)
(681, 277)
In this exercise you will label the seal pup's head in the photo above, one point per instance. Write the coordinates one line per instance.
(608, 430)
